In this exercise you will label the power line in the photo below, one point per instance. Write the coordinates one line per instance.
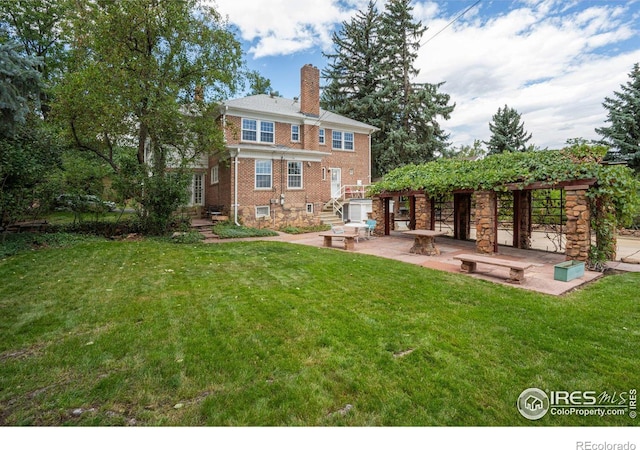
(451, 23)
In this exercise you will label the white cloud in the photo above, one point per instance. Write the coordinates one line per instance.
(554, 69)
(282, 27)
(552, 60)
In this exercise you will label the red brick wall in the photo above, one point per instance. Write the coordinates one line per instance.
(315, 190)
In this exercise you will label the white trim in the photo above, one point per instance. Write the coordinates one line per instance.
(275, 152)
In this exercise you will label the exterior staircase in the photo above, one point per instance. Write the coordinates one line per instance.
(205, 228)
(329, 216)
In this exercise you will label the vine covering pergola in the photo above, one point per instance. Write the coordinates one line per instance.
(598, 197)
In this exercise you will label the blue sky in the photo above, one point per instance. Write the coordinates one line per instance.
(552, 60)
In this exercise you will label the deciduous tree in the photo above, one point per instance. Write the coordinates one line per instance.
(134, 72)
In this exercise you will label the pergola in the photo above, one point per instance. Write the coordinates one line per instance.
(422, 215)
(576, 171)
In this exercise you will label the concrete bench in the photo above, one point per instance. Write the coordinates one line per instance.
(349, 239)
(516, 274)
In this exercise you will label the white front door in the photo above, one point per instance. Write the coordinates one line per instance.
(336, 182)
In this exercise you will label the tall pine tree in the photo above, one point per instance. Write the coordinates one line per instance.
(353, 71)
(623, 113)
(507, 132)
(371, 79)
(20, 85)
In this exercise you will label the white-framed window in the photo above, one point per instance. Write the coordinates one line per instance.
(263, 174)
(321, 136)
(309, 208)
(342, 140)
(294, 175)
(258, 131)
(263, 211)
(295, 133)
(197, 189)
(214, 174)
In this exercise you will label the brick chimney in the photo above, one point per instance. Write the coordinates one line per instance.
(310, 90)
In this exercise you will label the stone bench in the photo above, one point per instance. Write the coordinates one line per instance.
(349, 239)
(516, 274)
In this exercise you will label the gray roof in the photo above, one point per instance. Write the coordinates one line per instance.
(290, 109)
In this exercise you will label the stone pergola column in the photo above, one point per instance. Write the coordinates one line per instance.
(377, 214)
(577, 230)
(522, 219)
(606, 229)
(486, 232)
(422, 212)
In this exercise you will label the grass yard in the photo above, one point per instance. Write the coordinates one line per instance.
(266, 333)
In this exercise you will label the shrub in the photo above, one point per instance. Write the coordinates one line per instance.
(229, 230)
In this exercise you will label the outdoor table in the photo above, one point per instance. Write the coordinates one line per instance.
(356, 226)
(424, 241)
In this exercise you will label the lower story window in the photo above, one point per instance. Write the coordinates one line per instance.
(263, 211)
(309, 208)
(294, 175)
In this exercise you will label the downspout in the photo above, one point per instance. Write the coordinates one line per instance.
(370, 161)
(235, 187)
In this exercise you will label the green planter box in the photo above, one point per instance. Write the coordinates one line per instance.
(568, 270)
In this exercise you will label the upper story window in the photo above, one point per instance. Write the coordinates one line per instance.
(321, 136)
(342, 140)
(295, 133)
(258, 131)
(263, 174)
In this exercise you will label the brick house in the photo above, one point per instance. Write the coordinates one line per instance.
(284, 159)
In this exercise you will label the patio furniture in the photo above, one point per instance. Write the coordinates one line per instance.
(356, 227)
(371, 226)
(349, 239)
(516, 274)
(424, 241)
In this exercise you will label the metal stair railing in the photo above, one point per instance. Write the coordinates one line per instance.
(346, 191)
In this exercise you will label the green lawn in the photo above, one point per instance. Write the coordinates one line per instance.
(266, 333)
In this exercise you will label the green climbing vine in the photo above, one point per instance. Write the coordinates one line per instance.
(614, 184)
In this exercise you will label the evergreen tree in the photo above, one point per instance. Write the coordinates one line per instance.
(353, 72)
(258, 84)
(507, 132)
(370, 79)
(19, 87)
(38, 26)
(623, 113)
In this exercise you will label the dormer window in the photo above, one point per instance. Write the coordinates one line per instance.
(258, 131)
